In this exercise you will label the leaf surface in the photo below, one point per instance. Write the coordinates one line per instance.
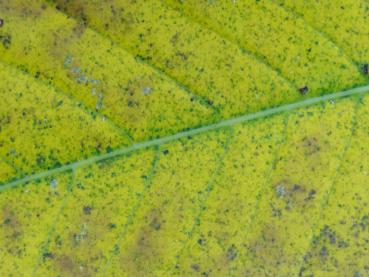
(204, 138)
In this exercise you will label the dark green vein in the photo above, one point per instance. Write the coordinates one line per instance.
(264, 188)
(206, 192)
(337, 173)
(135, 208)
(190, 132)
(320, 33)
(78, 104)
(245, 51)
(45, 244)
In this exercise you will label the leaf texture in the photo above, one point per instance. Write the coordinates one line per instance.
(184, 138)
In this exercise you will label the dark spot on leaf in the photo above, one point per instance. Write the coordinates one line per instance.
(311, 145)
(210, 102)
(366, 69)
(342, 244)
(1, 22)
(132, 103)
(324, 252)
(195, 267)
(6, 40)
(87, 210)
(201, 241)
(296, 187)
(311, 194)
(232, 253)
(166, 152)
(304, 90)
(155, 224)
(47, 255)
(112, 226)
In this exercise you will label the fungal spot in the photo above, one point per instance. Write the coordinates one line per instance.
(267, 247)
(311, 146)
(47, 255)
(201, 241)
(365, 69)
(292, 195)
(304, 90)
(112, 226)
(69, 267)
(155, 224)
(166, 152)
(311, 194)
(174, 38)
(87, 210)
(99, 102)
(145, 248)
(109, 149)
(324, 252)
(275, 211)
(53, 183)
(78, 238)
(182, 56)
(195, 267)
(1, 22)
(12, 231)
(68, 61)
(232, 253)
(79, 29)
(6, 40)
(146, 91)
(280, 190)
(210, 102)
(132, 103)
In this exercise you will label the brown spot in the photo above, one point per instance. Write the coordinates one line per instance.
(70, 267)
(292, 194)
(11, 223)
(12, 230)
(133, 95)
(145, 250)
(268, 247)
(79, 29)
(73, 8)
(311, 145)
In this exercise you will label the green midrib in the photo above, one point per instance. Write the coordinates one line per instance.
(191, 132)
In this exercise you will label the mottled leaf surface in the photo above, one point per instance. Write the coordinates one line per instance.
(184, 138)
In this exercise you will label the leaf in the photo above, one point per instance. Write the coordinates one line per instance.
(161, 138)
